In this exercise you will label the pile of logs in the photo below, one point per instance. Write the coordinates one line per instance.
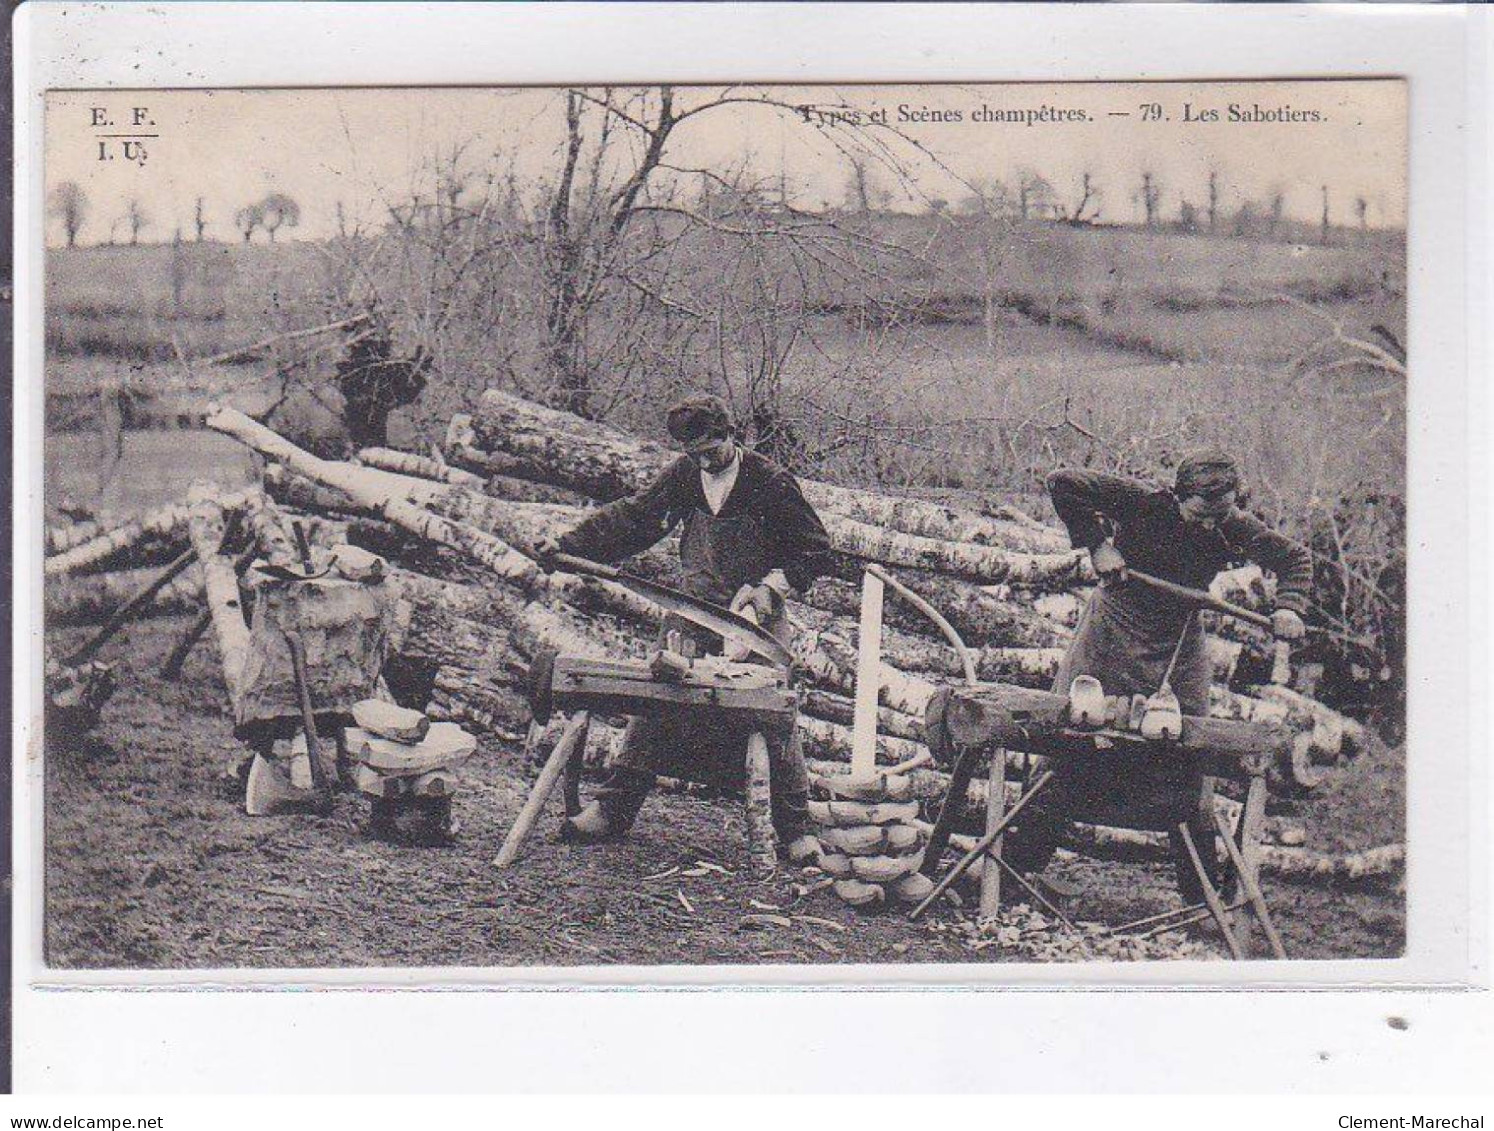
(474, 607)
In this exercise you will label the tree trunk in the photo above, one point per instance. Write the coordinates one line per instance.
(419, 467)
(205, 524)
(604, 463)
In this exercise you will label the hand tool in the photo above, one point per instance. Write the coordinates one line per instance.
(725, 623)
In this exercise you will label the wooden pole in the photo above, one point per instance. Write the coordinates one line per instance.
(221, 584)
(954, 801)
(573, 736)
(1211, 897)
(172, 668)
(868, 678)
(990, 876)
(760, 836)
(319, 784)
(1039, 784)
(125, 612)
(1252, 888)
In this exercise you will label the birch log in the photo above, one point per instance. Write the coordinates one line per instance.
(606, 464)
(159, 533)
(205, 523)
(419, 467)
(389, 494)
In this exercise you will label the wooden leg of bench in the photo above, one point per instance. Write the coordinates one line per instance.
(571, 787)
(1250, 883)
(954, 802)
(1211, 897)
(760, 837)
(990, 875)
(1244, 849)
(572, 738)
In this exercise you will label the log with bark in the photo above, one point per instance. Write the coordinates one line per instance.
(154, 537)
(606, 464)
(205, 524)
(419, 467)
(979, 617)
(389, 494)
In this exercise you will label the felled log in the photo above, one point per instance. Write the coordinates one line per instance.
(154, 536)
(607, 464)
(841, 709)
(829, 741)
(1351, 733)
(983, 619)
(830, 660)
(420, 467)
(93, 598)
(1324, 734)
(205, 524)
(371, 487)
(978, 617)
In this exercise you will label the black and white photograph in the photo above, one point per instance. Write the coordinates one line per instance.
(671, 526)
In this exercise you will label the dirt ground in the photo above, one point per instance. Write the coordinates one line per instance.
(151, 862)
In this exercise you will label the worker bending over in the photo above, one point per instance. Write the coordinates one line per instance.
(1129, 633)
(748, 538)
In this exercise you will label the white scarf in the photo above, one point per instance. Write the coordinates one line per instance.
(717, 485)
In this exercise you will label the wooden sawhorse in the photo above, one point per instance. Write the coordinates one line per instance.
(965, 724)
(751, 699)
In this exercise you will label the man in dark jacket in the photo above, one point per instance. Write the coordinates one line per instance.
(748, 538)
(1130, 633)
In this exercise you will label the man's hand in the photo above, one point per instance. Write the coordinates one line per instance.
(1287, 625)
(1108, 562)
(544, 552)
(764, 601)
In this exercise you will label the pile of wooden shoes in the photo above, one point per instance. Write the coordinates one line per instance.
(403, 761)
(871, 844)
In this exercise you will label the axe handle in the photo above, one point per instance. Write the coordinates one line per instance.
(574, 564)
(1201, 598)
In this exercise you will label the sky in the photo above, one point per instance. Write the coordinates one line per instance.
(366, 148)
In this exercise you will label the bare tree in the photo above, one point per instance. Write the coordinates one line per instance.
(859, 189)
(1213, 199)
(1361, 211)
(248, 219)
(69, 203)
(1151, 197)
(279, 210)
(1278, 210)
(137, 219)
(1089, 198)
(1326, 218)
(616, 171)
(1034, 192)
